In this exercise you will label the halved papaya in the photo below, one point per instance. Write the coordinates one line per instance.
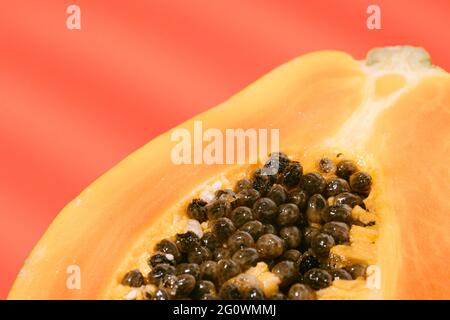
(389, 113)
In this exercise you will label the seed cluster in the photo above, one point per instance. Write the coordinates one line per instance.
(281, 216)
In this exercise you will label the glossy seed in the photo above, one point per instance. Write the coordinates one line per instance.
(349, 199)
(278, 194)
(230, 291)
(254, 227)
(210, 241)
(242, 184)
(327, 165)
(345, 169)
(270, 246)
(199, 254)
(307, 262)
(360, 182)
(188, 268)
(298, 197)
(277, 162)
(196, 210)
(265, 210)
(185, 285)
(317, 204)
(161, 257)
(313, 183)
(169, 247)
(292, 236)
(223, 228)
(292, 174)
(240, 240)
(321, 244)
(270, 228)
(246, 258)
(133, 278)
(262, 181)
(300, 291)
(336, 186)
(241, 215)
(341, 213)
(340, 274)
(218, 209)
(204, 287)
(292, 255)
(317, 278)
(338, 230)
(208, 271)
(308, 234)
(159, 272)
(226, 269)
(247, 197)
(161, 294)
(253, 294)
(286, 271)
(287, 214)
(357, 270)
(187, 241)
(221, 253)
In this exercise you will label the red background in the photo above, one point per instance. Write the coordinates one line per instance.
(73, 103)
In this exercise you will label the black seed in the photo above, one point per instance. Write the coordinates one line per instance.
(307, 262)
(241, 215)
(208, 270)
(196, 210)
(313, 183)
(270, 228)
(199, 254)
(276, 163)
(159, 272)
(185, 285)
(230, 291)
(218, 209)
(361, 182)
(308, 234)
(349, 199)
(277, 194)
(161, 294)
(265, 210)
(345, 169)
(225, 194)
(292, 236)
(204, 287)
(222, 253)
(338, 230)
(187, 241)
(341, 213)
(287, 272)
(226, 269)
(299, 291)
(254, 227)
(317, 278)
(287, 214)
(133, 278)
(357, 270)
(169, 284)
(161, 257)
(240, 240)
(262, 181)
(242, 185)
(188, 268)
(315, 208)
(292, 255)
(247, 197)
(278, 296)
(246, 258)
(291, 174)
(327, 165)
(169, 247)
(340, 274)
(270, 246)
(321, 244)
(209, 240)
(253, 294)
(336, 186)
(223, 228)
(298, 197)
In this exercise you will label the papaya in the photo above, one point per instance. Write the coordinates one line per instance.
(387, 117)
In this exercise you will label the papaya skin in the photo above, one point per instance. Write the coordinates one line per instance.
(322, 103)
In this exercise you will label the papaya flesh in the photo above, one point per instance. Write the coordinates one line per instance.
(390, 113)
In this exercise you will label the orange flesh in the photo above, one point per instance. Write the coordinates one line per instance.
(320, 102)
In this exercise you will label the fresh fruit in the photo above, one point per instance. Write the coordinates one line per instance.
(387, 117)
